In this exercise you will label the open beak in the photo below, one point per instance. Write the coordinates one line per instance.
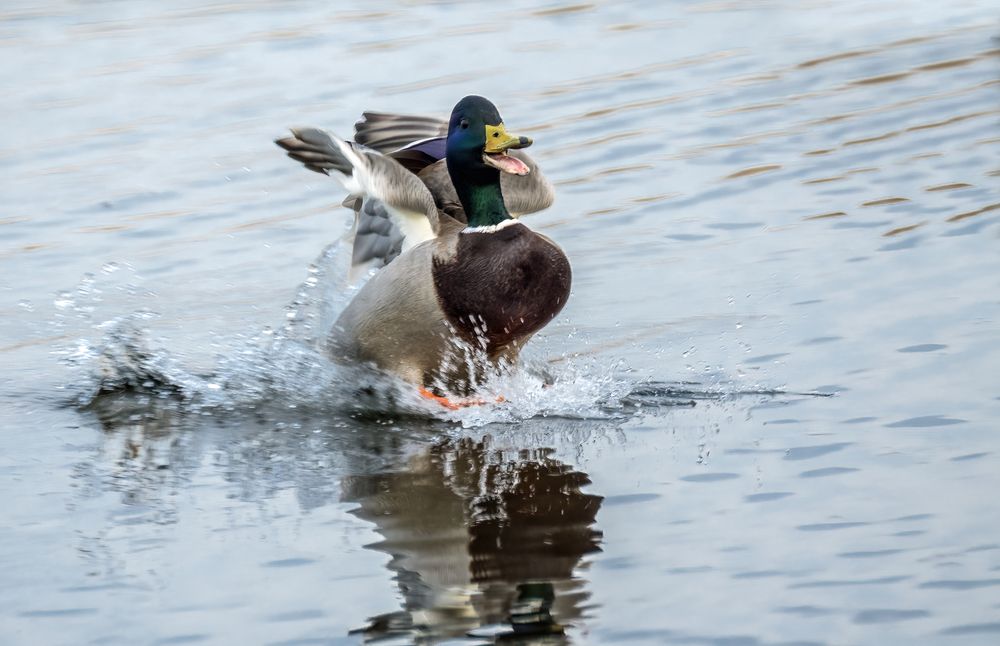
(498, 142)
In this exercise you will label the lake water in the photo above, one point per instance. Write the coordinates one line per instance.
(756, 197)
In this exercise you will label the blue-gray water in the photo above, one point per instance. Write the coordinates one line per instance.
(760, 195)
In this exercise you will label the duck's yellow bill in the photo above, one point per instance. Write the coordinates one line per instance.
(499, 140)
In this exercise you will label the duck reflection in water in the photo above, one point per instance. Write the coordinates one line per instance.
(480, 537)
(484, 540)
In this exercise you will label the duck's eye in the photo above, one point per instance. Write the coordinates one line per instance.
(464, 123)
(496, 134)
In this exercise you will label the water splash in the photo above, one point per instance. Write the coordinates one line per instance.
(288, 365)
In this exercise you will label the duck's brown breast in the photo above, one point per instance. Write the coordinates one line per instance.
(502, 286)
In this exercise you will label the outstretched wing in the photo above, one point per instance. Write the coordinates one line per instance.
(394, 210)
(388, 132)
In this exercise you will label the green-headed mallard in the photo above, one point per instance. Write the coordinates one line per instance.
(464, 284)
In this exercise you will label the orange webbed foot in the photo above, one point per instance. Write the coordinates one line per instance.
(455, 405)
(444, 401)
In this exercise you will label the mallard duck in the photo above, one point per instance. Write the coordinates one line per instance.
(463, 284)
(419, 143)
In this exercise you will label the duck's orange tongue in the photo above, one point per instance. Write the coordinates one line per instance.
(508, 163)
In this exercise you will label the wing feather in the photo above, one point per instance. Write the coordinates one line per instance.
(388, 132)
(381, 190)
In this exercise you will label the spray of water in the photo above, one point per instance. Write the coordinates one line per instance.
(288, 365)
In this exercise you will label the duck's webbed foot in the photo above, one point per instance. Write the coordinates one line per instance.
(452, 404)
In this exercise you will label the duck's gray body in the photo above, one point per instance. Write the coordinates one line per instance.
(395, 321)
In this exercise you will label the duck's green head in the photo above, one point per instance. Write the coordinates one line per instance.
(478, 143)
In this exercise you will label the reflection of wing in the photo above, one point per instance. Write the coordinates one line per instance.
(394, 210)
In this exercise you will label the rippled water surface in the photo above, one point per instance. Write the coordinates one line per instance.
(776, 402)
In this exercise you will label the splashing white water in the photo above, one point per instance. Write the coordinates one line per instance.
(288, 365)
